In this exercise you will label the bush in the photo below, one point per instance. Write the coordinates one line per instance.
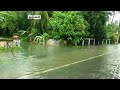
(46, 36)
(69, 26)
(113, 37)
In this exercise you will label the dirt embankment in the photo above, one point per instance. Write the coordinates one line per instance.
(2, 43)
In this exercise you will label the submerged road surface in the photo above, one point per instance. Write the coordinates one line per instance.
(95, 62)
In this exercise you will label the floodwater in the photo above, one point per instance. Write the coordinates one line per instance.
(42, 62)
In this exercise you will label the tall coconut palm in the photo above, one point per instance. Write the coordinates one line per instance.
(40, 25)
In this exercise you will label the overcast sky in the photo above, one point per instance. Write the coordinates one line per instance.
(117, 17)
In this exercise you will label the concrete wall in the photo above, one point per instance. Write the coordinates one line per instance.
(11, 43)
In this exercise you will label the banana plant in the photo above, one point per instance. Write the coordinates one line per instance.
(40, 25)
(38, 39)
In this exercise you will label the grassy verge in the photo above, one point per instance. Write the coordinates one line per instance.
(16, 49)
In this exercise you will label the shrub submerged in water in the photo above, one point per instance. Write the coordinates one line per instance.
(52, 42)
(38, 51)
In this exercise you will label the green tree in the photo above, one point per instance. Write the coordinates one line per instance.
(97, 21)
(8, 19)
(111, 30)
(69, 26)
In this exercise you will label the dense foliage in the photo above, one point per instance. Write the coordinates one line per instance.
(68, 26)
(97, 21)
(112, 31)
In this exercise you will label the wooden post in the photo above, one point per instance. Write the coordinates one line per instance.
(88, 42)
(82, 42)
(117, 40)
(102, 42)
(98, 42)
(106, 41)
(94, 41)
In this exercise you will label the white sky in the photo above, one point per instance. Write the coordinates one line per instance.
(117, 17)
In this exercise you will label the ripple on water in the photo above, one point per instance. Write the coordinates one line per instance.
(30, 66)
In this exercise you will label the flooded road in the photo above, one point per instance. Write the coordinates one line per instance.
(94, 62)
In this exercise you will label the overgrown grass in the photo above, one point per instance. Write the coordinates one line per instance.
(16, 49)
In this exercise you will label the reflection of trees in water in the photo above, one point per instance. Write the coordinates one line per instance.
(25, 45)
(37, 50)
